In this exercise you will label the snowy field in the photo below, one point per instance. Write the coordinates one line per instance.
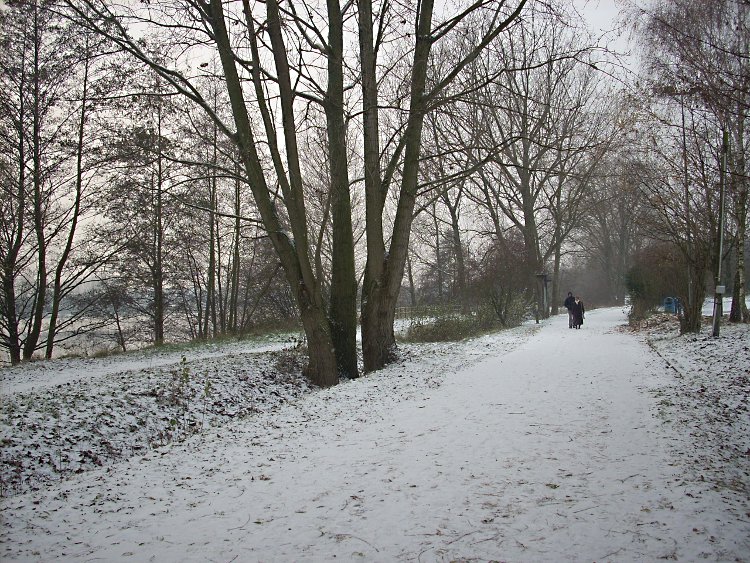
(535, 444)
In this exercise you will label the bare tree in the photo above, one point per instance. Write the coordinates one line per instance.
(242, 41)
(616, 213)
(680, 179)
(698, 50)
(542, 132)
(385, 265)
(267, 103)
(47, 165)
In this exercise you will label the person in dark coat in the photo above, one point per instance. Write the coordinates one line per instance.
(569, 302)
(578, 312)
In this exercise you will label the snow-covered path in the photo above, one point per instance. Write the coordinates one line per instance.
(549, 452)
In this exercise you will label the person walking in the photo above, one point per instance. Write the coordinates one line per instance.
(578, 312)
(569, 302)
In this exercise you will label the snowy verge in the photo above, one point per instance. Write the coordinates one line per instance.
(69, 416)
(709, 398)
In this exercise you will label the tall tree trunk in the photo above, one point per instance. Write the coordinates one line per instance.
(158, 270)
(211, 283)
(460, 283)
(63, 260)
(383, 275)
(235, 275)
(32, 337)
(739, 312)
(377, 341)
(10, 254)
(343, 299)
(530, 230)
(158, 273)
(556, 282)
(221, 295)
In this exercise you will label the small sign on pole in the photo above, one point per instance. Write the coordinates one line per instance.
(720, 290)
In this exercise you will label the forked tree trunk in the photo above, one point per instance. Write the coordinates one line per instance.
(378, 339)
(384, 271)
(383, 275)
(292, 252)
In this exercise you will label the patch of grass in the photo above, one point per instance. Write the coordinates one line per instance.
(452, 327)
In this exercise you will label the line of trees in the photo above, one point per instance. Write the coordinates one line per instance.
(212, 165)
(698, 85)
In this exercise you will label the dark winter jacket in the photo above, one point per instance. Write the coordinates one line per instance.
(578, 312)
(569, 302)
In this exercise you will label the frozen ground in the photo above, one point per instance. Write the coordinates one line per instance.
(536, 444)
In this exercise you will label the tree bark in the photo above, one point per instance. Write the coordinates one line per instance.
(383, 274)
(62, 261)
(739, 312)
(343, 299)
(32, 337)
(292, 253)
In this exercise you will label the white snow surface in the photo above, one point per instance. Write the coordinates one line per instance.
(535, 444)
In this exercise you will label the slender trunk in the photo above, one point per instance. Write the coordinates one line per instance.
(10, 255)
(235, 276)
(189, 315)
(32, 338)
(557, 238)
(120, 334)
(57, 292)
(412, 288)
(211, 286)
(223, 274)
(739, 312)
(195, 277)
(530, 233)
(221, 306)
(438, 255)
(158, 272)
(556, 282)
(458, 250)
(693, 294)
(343, 299)
(11, 317)
(218, 316)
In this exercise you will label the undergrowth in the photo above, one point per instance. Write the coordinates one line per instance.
(453, 326)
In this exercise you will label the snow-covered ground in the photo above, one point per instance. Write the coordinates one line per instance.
(535, 444)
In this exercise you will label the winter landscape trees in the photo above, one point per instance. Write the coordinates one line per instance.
(697, 57)
(191, 170)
